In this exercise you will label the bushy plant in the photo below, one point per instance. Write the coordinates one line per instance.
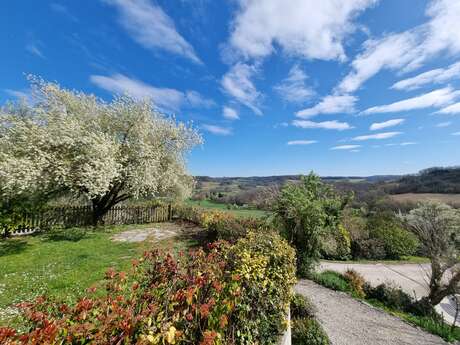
(305, 212)
(308, 331)
(337, 245)
(356, 281)
(391, 296)
(226, 295)
(396, 240)
(372, 248)
(220, 224)
(301, 307)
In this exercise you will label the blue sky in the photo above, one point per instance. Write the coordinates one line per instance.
(349, 87)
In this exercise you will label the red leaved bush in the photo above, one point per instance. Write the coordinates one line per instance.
(196, 298)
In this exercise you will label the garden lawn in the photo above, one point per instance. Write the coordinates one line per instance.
(239, 212)
(64, 263)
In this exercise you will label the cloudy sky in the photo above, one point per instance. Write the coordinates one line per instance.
(341, 87)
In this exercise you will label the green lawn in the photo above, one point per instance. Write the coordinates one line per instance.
(240, 212)
(64, 263)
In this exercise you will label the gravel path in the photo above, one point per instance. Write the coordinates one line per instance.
(351, 322)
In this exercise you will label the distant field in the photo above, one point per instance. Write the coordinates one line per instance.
(224, 207)
(416, 197)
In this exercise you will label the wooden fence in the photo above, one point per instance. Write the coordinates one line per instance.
(76, 216)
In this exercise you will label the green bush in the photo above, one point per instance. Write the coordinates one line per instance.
(337, 244)
(301, 307)
(373, 249)
(308, 332)
(332, 280)
(396, 240)
(226, 295)
(390, 296)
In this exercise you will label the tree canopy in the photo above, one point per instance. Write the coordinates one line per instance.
(108, 152)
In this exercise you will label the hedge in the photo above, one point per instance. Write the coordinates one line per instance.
(226, 294)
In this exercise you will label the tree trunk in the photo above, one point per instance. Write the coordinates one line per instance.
(102, 204)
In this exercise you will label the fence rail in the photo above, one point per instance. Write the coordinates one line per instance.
(75, 216)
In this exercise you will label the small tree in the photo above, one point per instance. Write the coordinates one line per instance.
(437, 227)
(305, 212)
(108, 152)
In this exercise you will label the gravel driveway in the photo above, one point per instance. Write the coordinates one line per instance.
(351, 322)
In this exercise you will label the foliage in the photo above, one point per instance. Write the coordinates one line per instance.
(301, 307)
(107, 152)
(391, 296)
(433, 180)
(356, 281)
(305, 212)
(373, 249)
(332, 280)
(227, 295)
(388, 229)
(220, 224)
(437, 227)
(308, 331)
(337, 245)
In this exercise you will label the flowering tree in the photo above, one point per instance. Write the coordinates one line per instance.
(107, 152)
(437, 226)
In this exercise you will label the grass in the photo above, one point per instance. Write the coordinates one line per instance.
(424, 322)
(335, 281)
(332, 280)
(403, 260)
(239, 212)
(64, 263)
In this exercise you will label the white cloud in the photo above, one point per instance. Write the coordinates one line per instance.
(378, 136)
(152, 28)
(381, 125)
(196, 100)
(329, 105)
(306, 28)
(437, 98)
(301, 142)
(346, 147)
(335, 125)
(218, 130)
(169, 99)
(237, 84)
(35, 50)
(294, 89)
(451, 109)
(434, 76)
(408, 49)
(230, 113)
(456, 133)
(444, 124)
(391, 52)
(407, 143)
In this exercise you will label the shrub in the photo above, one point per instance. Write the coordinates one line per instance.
(308, 331)
(356, 281)
(220, 224)
(266, 265)
(301, 307)
(332, 280)
(390, 296)
(373, 249)
(305, 212)
(396, 240)
(227, 295)
(337, 245)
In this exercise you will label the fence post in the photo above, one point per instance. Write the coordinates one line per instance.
(169, 212)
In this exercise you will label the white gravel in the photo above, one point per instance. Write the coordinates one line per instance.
(351, 322)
